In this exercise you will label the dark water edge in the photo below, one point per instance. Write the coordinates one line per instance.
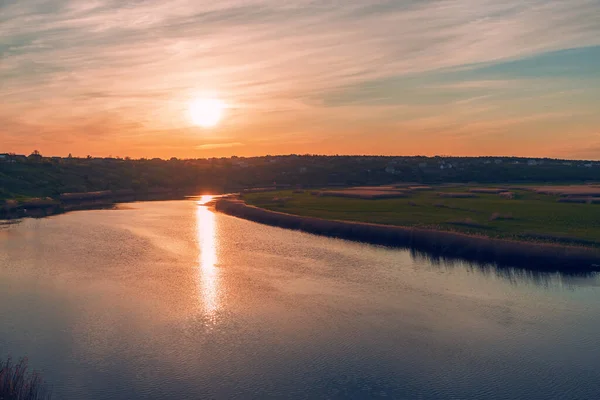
(434, 246)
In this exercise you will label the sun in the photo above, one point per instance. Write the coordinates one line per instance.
(206, 112)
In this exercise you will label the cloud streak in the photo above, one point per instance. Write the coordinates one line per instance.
(135, 65)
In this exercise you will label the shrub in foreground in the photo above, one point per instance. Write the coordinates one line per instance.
(17, 383)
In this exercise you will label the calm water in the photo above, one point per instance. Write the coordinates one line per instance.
(170, 300)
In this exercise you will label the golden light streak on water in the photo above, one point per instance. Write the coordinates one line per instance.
(207, 259)
(205, 199)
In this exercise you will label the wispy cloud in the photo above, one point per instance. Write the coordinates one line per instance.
(70, 64)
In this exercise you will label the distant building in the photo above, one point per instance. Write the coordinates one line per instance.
(390, 169)
(302, 170)
(588, 165)
(532, 162)
(423, 165)
(498, 161)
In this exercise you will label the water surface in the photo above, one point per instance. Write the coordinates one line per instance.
(170, 300)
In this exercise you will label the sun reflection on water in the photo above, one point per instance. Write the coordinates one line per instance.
(205, 199)
(207, 259)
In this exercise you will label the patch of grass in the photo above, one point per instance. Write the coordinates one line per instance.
(487, 190)
(470, 223)
(457, 195)
(527, 211)
(436, 244)
(365, 194)
(570, 190)
(499, 216)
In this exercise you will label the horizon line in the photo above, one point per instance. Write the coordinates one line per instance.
(127, 158)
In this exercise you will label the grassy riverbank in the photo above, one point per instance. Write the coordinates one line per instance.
(430, 243)
(526, 214)
(43, 207)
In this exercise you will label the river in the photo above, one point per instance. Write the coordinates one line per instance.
(170, 300)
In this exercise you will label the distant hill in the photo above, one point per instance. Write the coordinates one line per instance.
(37, 176)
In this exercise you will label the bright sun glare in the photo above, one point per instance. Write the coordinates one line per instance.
(206, 112)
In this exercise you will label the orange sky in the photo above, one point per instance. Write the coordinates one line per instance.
(381, 77)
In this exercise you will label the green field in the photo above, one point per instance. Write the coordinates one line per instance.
(528, 216)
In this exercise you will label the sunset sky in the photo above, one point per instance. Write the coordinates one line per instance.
(454, 77)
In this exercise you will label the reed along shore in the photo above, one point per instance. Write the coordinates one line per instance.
(432, 243)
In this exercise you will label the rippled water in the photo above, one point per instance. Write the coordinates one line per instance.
(170, 300)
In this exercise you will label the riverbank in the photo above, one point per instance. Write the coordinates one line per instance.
(429, 243)
(513, 212)
(44, 207)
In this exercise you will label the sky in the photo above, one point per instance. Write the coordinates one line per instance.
(414, 77)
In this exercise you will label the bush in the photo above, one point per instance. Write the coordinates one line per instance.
(16, 383)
